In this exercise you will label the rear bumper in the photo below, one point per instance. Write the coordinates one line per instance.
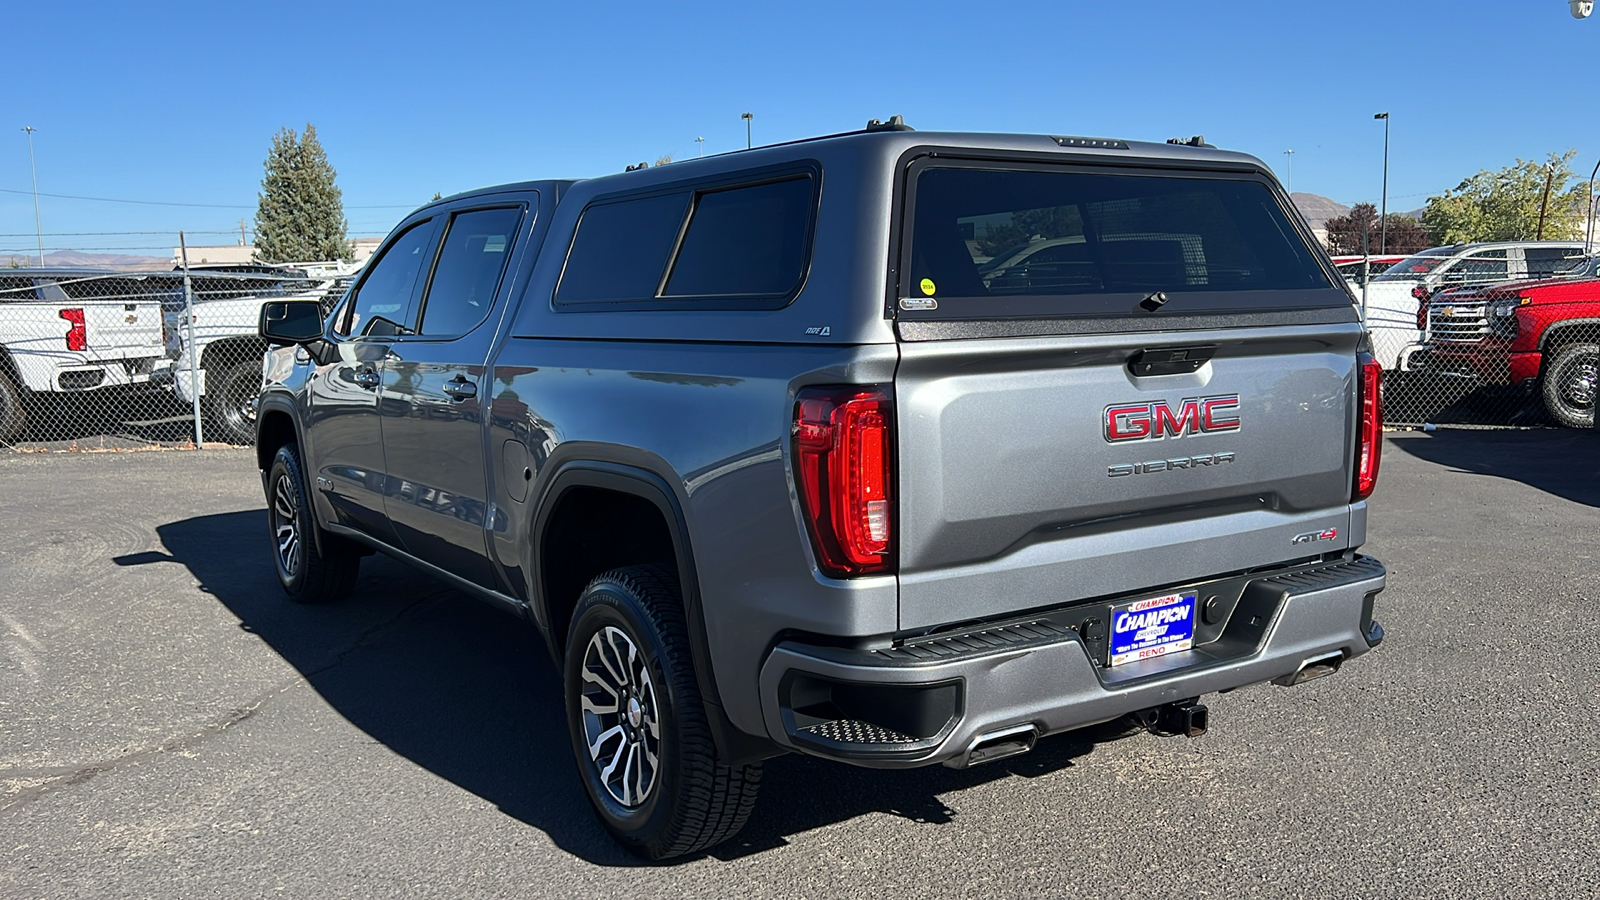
(932, 700)
(76, 371)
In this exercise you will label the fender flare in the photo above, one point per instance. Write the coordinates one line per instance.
(211, 348)
(646, 484)
(1563, 325)
(279, 403)
(641, 475)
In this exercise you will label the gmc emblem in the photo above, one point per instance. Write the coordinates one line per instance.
(1161, 420)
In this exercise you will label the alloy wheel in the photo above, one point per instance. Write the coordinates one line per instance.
(285, 525)
(621, 719)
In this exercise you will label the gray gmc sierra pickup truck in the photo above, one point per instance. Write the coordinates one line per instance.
(889, 447)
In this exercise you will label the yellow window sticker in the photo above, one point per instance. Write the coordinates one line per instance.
(927, 287)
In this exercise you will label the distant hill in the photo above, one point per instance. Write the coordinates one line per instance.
(78, 259)
(1318, 209)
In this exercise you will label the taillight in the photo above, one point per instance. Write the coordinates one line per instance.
(77, 335)
(844, 468)
(1369, 442)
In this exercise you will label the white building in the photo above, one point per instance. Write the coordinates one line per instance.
(244, 254)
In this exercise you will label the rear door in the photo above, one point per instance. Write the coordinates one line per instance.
(435, 393)
(1168, 398)
(346, 441)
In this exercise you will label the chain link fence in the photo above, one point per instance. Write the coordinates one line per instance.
(1488, 335)
(108, 360)
(1485, 335)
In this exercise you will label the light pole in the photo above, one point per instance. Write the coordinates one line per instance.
(1383, 215)
(38, 229)
(1289, 155)
(1588, 229)
(699, 146)
(747, 117)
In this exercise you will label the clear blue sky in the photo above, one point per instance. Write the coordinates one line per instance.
(177, 102)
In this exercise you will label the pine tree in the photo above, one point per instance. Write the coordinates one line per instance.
(301, 213)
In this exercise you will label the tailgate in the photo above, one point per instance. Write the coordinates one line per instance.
(1040, 471)
(1113, 379)
(122, 330)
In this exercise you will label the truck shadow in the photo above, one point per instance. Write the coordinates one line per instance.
(1562, 462)
(457, 688)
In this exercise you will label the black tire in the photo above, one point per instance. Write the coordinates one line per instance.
(13, 414)
(1569, 385)
(689, 800)
(306, 574)
(230, 401)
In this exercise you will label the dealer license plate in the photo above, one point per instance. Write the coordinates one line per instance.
(1154, 626)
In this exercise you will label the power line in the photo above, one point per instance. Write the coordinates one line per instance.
(111, 233)
(139, 202)
(174, 203)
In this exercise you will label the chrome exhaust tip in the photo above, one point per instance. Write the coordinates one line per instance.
(1001, 744)
(1312, 668)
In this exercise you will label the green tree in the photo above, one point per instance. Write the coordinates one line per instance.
(300, 217)
(1528, 200)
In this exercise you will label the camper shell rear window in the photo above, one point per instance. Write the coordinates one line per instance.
(1041, 240)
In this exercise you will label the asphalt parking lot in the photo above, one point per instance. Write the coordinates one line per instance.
(170, 727)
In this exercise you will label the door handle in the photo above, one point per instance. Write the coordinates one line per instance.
(368, 378)
(460, 389)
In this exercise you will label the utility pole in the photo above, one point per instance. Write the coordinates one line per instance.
(1544, 202)
(1289, 155)
(38, 229)
(243, 242)
(1383, 216)
(747, 117)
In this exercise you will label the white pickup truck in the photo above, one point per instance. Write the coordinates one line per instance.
(227, 312)
(67, 331)
(1391, 299)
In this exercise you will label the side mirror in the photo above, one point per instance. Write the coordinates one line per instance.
(286, 322)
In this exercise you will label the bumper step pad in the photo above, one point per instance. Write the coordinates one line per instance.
(851, 731)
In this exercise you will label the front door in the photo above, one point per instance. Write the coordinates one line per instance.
(434, 392)
(345, 430)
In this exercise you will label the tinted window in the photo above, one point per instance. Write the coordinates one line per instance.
(620, 251)
(468, 272)
(1548, 260)
(1079, 242)
(1581, 267)
(1483, 266)
(748, 241)
(383, 304)
(1413, 268)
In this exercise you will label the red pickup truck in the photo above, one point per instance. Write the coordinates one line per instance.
(1546, 332)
